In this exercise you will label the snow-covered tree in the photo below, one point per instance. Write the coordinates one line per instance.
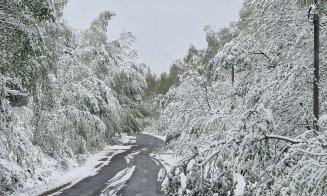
(260, 126)
(62, 94)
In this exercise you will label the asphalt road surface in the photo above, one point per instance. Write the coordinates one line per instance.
(143, 181)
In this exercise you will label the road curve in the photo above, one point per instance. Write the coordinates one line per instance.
(143, 181)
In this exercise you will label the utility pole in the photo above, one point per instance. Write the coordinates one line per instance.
(233, 74)
(316, 24)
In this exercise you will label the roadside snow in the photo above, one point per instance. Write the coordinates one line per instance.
(161, 175)
(126, 139)
(130, 156)
(155, 160)
(239, 190)
(167, 159)
(183, 182)
(90, 168)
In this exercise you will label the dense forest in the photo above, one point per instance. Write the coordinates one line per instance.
(241, 106)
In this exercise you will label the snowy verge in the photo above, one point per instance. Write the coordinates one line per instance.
(167, 159)
(91, 167)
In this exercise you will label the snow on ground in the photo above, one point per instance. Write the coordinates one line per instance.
(155, 160)
(167, 159)
(183, 182)
(130, 156)
(118, 182)
(91, 167)
(239, 190)
(126, 139)
(161, 175)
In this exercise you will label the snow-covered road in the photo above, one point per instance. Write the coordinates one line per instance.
(132, 172)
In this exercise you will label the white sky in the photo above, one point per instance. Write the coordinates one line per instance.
(164, 29)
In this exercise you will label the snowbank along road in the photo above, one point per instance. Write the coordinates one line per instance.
(131, 173)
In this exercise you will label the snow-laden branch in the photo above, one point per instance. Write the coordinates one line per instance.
(14, 92)
(297, 141)
(214, 153)
(287, 139)
(292, 141)
(307, 152)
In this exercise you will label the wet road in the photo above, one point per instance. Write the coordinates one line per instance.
(143, 181)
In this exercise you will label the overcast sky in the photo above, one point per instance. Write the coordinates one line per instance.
(164, 29)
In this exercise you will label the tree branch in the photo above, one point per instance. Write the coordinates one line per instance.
(287, 139)
(291, 140)
(262, 53)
